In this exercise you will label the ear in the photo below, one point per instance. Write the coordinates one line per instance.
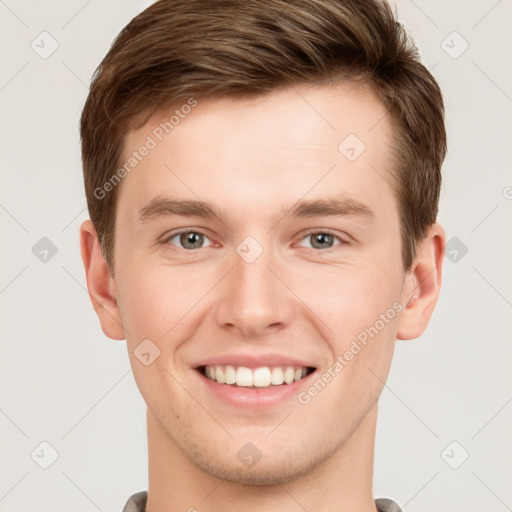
(422, 285)
(100, 284)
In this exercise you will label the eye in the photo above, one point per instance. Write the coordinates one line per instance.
(189, 239)
(323, 239)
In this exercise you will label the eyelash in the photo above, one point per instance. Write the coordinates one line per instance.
(309, 233)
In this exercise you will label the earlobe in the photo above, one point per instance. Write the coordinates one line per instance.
(422, 285)
(100, 283)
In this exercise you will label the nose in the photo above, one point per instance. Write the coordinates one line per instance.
(255, 301)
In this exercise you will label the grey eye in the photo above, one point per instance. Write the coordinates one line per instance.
(321, 240)
(188, 239)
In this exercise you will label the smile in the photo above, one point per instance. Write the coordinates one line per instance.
(262, 377)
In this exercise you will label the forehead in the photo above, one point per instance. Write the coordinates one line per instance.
(347, 106)
(291, 142)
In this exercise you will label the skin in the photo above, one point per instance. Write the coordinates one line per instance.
(252, 158)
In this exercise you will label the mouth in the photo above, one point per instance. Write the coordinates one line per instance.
(256, 378)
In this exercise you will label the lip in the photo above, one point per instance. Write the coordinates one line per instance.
(254, 361)
(255, 398)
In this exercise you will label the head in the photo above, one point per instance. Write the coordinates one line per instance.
(276, 114)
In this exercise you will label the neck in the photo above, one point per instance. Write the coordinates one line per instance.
(341, 483)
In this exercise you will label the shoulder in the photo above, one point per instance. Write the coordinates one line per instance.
(387, 505)
(136, 502)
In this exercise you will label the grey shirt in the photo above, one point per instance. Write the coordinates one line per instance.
(137, 503)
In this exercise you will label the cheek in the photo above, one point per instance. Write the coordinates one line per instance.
(351, 297)
(154, 300)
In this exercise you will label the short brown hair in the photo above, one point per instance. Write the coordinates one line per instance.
(178, 49)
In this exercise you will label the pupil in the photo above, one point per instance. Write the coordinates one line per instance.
(193, 239)
(322, 238)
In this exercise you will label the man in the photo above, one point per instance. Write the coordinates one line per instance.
(263, 182)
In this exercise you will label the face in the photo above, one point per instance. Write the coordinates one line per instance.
(272, 318)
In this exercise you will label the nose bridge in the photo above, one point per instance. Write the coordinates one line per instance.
(253, 299)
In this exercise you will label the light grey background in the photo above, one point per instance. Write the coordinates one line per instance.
(62, 381)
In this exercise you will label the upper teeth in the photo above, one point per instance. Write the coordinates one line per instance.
(257, 377)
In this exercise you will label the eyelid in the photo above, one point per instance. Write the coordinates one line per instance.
(326, 232)
(168, 236)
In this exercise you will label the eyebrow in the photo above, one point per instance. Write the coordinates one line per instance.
(333, 206)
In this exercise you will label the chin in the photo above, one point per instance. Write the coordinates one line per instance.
(262, 473)
(275, 467)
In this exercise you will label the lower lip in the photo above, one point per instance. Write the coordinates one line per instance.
(255, 398)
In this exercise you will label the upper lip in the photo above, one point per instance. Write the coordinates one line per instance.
(254, 361)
